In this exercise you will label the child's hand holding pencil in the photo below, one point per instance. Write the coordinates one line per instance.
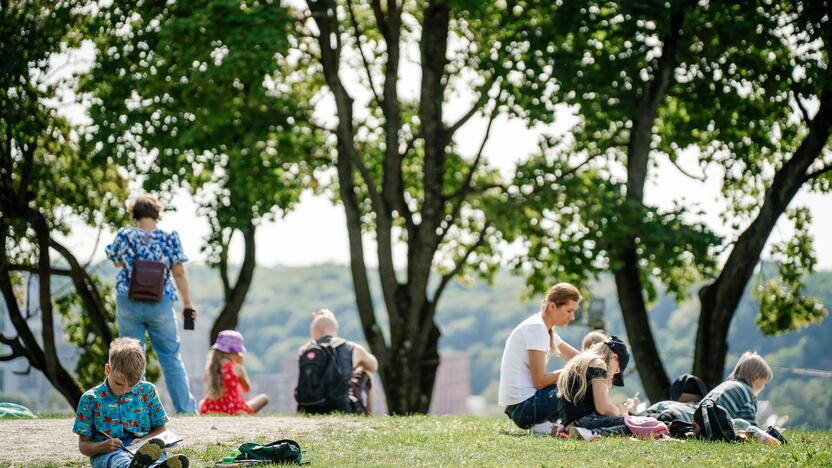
(111, 443)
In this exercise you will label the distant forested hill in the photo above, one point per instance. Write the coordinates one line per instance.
(477, 318)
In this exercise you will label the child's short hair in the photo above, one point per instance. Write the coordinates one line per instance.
(595, 336)
(127, 359)
(751, 366)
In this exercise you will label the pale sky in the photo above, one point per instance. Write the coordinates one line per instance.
(315, 232)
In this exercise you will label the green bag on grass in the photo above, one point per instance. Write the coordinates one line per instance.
(279, 451)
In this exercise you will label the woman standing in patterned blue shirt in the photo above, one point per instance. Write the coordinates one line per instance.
(146, 241)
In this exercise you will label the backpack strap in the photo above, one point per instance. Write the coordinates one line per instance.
(705, 405)
(147, 243)
(329, 349)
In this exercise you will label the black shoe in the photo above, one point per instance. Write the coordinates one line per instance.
(148, 454)
(176, 461)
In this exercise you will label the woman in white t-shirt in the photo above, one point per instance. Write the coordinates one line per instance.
(526, 390)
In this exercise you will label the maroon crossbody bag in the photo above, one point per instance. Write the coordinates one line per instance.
(147, 280)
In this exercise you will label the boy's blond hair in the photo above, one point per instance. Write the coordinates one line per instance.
(127, 359)
(595, 336)
(751, 366)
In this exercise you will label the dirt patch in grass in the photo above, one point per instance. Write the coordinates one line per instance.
(38, 441)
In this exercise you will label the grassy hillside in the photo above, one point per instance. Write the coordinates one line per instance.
(480, 441)
(477, 318)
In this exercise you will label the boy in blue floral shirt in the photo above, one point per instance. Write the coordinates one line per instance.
(121, 411)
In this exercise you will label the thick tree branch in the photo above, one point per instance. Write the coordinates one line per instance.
(34, 269)
(433, 48)
(17, 350)
(235, 295)
(8, 160)
(818, 173)
(466, 185)
(50, 352)
(24, 333)
(222, 265)
(458, 198)
(28, 151)
(460, 264)
(684, 172)
(324, 13)
(719, 299)
(358, 36)
(801, 106)
(478, 104)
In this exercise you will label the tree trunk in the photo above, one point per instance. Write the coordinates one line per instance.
(627, 276)
(408, 365)
(719, 300)
(410, 375)
(235, 296)
(645, 353)
(27, 345)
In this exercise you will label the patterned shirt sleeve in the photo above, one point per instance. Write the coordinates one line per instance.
(84, 417)
(118, 249)
(175, 251)
(158, 416)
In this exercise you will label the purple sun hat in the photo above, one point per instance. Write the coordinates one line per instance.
(229, 341)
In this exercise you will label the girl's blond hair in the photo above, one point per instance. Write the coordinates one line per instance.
(572, 383)
(214, 386)
(751, 366)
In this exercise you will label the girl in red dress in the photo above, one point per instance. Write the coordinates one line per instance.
(225, 378)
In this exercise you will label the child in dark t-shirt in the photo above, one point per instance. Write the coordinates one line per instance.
(584, 389)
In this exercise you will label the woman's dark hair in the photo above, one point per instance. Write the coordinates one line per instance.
(145, 206)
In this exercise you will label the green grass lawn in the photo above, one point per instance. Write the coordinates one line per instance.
(479, 441)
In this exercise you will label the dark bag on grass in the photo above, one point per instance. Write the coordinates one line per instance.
(713, 422)
(279, 451)
(322, 385)
(680, 429)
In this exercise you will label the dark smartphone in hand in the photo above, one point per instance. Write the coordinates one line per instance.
(189, 318)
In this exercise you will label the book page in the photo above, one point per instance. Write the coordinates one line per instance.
(168, 437)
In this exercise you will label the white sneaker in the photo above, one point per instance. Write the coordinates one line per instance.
(543, 429)
(585, 434)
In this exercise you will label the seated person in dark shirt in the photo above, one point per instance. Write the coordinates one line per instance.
(584, 389)
(685, 394)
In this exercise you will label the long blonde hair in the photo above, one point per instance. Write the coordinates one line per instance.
(572, 383)
(213, 373)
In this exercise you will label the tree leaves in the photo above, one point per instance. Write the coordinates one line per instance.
(783, 307)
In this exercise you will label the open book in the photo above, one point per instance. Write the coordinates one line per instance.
(168, 437)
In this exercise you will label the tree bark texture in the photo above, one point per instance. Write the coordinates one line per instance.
(627, 275)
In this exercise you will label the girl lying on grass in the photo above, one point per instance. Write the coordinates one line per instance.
(584, 389)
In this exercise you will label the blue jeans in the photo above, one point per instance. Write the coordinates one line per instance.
(542, 406)
(159, 320)
(118, 459)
